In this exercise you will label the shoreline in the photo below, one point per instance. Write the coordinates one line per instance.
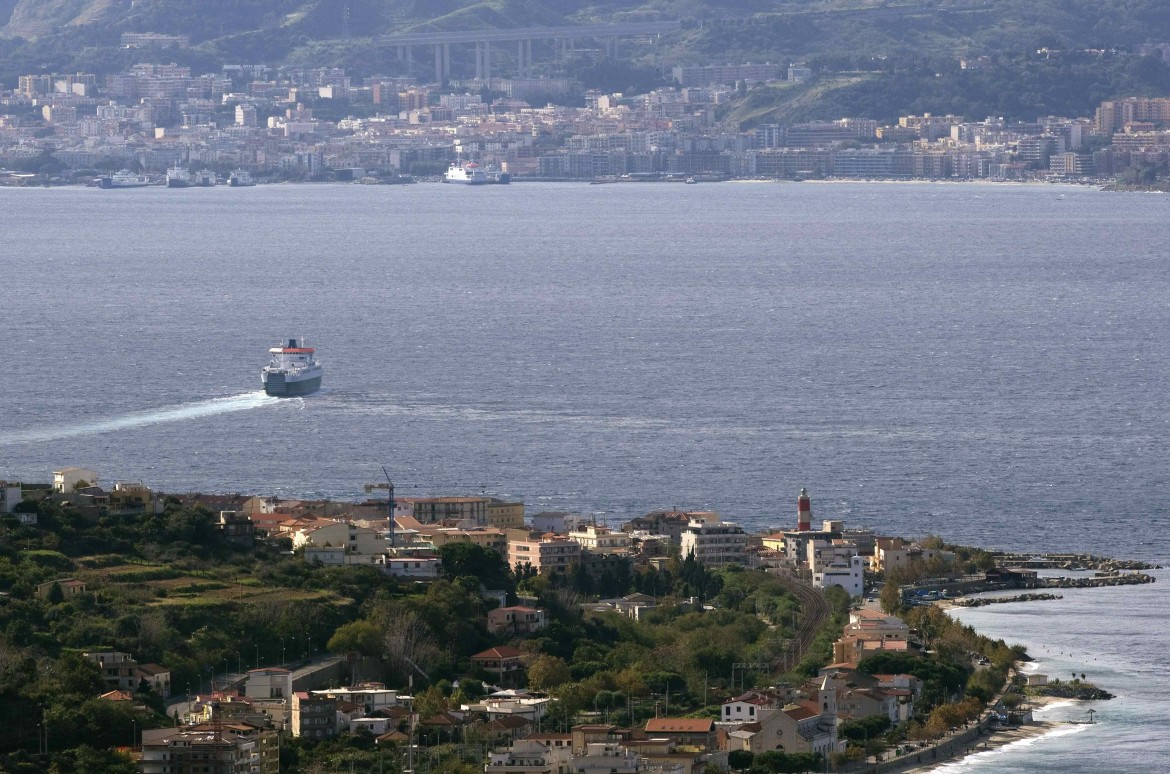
(1001, 739)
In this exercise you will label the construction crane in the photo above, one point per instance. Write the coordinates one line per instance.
(389, 487)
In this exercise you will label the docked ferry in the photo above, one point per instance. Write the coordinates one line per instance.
(466, 174)
(241, 179)
(123, 178)
(292, 371)
(178, 177)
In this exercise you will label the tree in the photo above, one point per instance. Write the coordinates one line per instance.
(891, 598)
(468, 559)
(547, 672)
(740, 759)
(473, 689)
(361, 636)
(56, 595)
(410, 645)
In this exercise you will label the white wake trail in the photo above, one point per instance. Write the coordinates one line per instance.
(178, 413)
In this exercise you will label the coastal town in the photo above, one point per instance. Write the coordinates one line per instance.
(268, 123)
(461, 633)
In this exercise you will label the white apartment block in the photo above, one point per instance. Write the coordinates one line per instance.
(714, 543)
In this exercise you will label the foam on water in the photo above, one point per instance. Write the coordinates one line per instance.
(989, 760)
(177, 413)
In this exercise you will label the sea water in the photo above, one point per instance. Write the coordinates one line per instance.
(988, 363)
(1117, 637)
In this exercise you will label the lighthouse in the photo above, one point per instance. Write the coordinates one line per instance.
(803, 511)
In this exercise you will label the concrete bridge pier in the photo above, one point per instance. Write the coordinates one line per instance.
(442, 61)
(483, 60)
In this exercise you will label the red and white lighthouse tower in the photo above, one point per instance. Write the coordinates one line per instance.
(803, 511)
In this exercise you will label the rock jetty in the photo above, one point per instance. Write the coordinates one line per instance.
(1074, 689)
(1120, 579)
(1073, 562)
(983, 601)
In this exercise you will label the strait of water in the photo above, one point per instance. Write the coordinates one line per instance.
(1118, 638)
(988, 363)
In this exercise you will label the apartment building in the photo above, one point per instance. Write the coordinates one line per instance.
(714, 544)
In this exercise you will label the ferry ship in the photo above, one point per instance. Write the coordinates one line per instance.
(292, 371)
(204, 178)
(466, 174)
(241, 179)
(124, 179)
(178, 177)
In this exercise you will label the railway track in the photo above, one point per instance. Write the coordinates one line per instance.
(814, 613)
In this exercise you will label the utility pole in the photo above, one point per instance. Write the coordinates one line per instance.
(410, 741)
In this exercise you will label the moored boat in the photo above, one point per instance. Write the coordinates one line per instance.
(178, 177)
(241, 179)
(124, 178)
(466, 174)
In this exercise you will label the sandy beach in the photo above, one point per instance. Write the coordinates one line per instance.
(996, 740)
(1002, 737)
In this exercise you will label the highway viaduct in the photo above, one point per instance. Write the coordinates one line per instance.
(564, 39)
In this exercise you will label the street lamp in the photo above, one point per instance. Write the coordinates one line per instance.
(257, 655)
(282, 661)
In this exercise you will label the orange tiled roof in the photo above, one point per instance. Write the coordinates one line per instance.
(679, 725)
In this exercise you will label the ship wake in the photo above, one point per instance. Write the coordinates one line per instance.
(177, 413)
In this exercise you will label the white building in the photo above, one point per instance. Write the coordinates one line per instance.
(528, 756)
(361, 545)
(746, 707)
(66, 480)
(714, 544)
(836, 563)
(559, 522)
(605, 758)
(601, 540)
(849, 574)
(371, 698)
(413, 567)
(268, 683)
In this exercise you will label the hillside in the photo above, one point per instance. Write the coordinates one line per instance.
(880, 56)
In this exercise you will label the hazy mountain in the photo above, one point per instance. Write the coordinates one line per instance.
(875, 39)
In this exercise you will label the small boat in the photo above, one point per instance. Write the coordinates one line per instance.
(293, 370)
(691, 181)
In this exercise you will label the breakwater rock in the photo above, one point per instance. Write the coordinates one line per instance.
(983, 601)
(1074, 689)
(1074, 562)
(1119, 579)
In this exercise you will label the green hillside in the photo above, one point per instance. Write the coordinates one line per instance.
(879, 56)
